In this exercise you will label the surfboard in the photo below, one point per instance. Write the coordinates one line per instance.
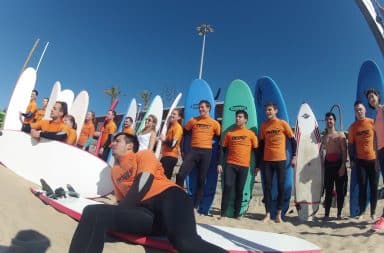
(308, 173)
(165, 126)
(66, 96)
(199, 90)
(79, 110)
(155, 108)
(370, 76)
(111, 108)
(57, 162)
(239, 97)
(235, 240)
(267, 91)
(370, 12)
(2, 115)
(131, 112)
(56, 89)
(20, 98)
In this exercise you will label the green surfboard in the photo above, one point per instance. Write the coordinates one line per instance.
(239, 97)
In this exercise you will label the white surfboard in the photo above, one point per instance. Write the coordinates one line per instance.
(57, 162)
(66, 96)
(79, 109)
(132, 111)
(308, 173)
(155, 108)
(20, 98)
(165, 126)
(56, 89)
(234, 240)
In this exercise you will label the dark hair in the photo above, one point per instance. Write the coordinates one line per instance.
(358, 102)
(370, 91)
(180, 113)
(330, 114)
(206, 102)
(35, 91)
(271, 104)
(113, 112)
(129, 118)
(73, 121)
(242, 112)
(129, 138)
(64, 107)
(46, 98)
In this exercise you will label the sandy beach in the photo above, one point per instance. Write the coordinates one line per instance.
(20, 210)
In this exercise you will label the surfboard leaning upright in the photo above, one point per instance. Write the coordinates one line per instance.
(267, 91)
(239, 97)
(200, 90)
(308, 173)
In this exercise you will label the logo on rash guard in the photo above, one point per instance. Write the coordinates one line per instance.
(238, 138)
(124, 176)
(198, 125)
(273, 132)
(363, 133)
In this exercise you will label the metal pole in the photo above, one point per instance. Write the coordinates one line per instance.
(202, 57)
(30, 55)
(41, 57)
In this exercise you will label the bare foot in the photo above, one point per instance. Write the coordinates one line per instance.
(267, 217)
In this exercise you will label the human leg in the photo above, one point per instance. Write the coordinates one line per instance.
(205, 160)
(241, 178)
(229, 182)
(189, 163)
(168, 164)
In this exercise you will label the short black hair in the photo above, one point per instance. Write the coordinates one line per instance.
(64, 107)
(271, 104)
(129, 138)
(129, 118)
(206, 102)
(242, 112)
(35, 91)
(374, 91)
(330, 114)
(358, 102)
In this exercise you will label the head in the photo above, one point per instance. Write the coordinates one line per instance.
(59, 110)
(111, 115)
(45, 102)
(90, 117)
(373, 97)
(128, 122)
(359, 110)
(271, 110)
(70, 121)
(241, 118)
(176, 116)
(330, 119)
(34, 94)
(204, 107)
(124, 143)
(150, 122)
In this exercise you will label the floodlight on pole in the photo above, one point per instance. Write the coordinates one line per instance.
(202, 30)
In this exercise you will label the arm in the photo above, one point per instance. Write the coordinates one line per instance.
(139, 188)
(108, 142)
(152, 141)
(294, 150)
(58, 136)
(343, 148)
(222, 154)
(27, 115)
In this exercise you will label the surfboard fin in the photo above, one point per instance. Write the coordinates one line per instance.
(45, 187)
(71, 191)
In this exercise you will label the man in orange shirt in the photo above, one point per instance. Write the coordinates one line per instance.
(106, 135)
(238, 144)
(31, 109)
(362, 152)
(54, 129)
(149, 204)
(203, 129)
(273, 135)
(39, 115)
(127, 127)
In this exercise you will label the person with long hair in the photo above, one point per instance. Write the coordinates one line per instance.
(87, 131)
(147, 136)
(70, 121)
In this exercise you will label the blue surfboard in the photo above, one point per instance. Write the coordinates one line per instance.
(267, 91)
(200, 90)
(369, 77)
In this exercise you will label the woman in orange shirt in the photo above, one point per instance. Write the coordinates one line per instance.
(87, 131)
(70, 121)
(149, 204)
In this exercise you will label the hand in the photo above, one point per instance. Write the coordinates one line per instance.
(293, 162)
(162, 137)
(342, 171)
(219, 169)
(101, 150)
(35, 134)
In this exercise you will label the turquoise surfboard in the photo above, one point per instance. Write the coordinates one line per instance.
(369, 77)
(239, 97)
(200, 90)
(267, 91)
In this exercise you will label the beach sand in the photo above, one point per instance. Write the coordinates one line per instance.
(20, 210)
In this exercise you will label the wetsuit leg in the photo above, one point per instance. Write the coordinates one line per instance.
(268, 171)
(179, 221)
(229, 182)
(168, 163)
(281, 175)
(328, 186)
(341, 189)
(373, 177)
(241, 178)
(205, 155)
(190, 161)
(96, 220)
(105, 154)
(362, 179)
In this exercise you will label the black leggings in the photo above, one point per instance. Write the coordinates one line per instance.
(366, 172)
(200, 159)
(381, 162)
(331, 177)
(270, 168)
(168, 163)
(234, 177)
(169, 213)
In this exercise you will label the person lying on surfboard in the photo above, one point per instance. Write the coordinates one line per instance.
(148, 204)
(334, 156)
(127, 126)
(374, 101)
(362, 152)
(273, 135)
(54, 129)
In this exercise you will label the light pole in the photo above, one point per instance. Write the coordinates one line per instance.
(340, 118)
(202, 30)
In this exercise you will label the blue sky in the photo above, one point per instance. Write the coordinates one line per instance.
(312, 49)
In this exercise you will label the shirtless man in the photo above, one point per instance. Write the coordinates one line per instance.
(334, 156)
